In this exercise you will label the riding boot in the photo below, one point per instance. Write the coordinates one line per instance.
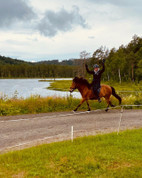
(96, 92)
(98, 97)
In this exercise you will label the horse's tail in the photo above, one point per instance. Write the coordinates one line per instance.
(116, 96)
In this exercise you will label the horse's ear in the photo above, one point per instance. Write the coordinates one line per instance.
(75, 79)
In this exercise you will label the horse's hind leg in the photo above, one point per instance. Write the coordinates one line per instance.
(88, 105)
(107, 108)
(111, 104)
(82, 101)
(108, 102)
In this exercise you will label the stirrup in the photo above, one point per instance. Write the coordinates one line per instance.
(99, 100)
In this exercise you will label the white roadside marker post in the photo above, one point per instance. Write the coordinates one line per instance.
(120, 120)
(72, 133)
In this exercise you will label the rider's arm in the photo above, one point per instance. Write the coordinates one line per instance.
(103, 69)
(90, 72)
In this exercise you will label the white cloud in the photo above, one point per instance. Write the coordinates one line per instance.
(26, 29)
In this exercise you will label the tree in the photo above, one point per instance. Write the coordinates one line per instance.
(139, 70)
(83, 59)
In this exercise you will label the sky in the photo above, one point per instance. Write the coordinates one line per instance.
(35, 30)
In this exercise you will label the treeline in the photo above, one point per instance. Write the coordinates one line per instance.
(125, 64)
(7, 60)
(35, 71)
(14, 68)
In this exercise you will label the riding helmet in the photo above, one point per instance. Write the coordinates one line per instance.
(96, 66)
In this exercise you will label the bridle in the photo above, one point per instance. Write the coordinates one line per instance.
(72, 89)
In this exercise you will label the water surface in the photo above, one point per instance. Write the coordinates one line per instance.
(27, 87)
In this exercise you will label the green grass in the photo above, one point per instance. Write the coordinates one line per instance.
(60, 85)
(102, 156)
(37, 104)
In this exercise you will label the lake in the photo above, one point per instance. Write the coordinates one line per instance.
(27, 87)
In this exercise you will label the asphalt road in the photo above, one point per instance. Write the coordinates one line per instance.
(17, 132)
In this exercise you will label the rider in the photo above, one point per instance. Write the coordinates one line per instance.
(96, 78)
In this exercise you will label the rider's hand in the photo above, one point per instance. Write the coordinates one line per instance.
(103, 61)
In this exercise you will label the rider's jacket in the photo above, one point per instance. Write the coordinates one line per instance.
(96, 76)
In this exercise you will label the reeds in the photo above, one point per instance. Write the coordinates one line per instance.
(36, 104)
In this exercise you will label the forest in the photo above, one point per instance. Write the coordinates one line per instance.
(13, 68)
(122, 64)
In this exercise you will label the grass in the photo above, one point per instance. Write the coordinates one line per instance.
(106, 155)
(37, 104)
(60, 85)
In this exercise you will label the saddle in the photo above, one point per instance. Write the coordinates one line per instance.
(96, 90)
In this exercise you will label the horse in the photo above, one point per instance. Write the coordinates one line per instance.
(85, 88)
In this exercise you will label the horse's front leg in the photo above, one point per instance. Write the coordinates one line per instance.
(82, 101)
(88, 105)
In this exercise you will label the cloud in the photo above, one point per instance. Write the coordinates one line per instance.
(91, 37)
(117, 10)
(63, 21)
(116, 2)
(12, 11)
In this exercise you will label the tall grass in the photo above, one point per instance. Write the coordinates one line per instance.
(95, 156)
(37, 104)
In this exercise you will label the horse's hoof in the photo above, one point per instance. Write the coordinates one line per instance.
(112, 105)
(74, 110)
(106, 110)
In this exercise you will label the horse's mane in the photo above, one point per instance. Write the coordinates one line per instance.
(82, 81)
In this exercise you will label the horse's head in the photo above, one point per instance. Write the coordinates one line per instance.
(79, 83)
(74, 84)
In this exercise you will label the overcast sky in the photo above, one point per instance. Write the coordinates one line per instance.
(34, 30)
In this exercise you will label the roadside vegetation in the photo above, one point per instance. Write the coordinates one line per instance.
(37, 104)
(108, 155)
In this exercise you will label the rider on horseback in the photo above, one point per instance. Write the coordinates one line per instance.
(96, 78)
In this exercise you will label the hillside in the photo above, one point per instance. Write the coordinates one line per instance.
(7, 60)
(57, 62)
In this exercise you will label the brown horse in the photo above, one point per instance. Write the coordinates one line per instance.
(87, 93)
